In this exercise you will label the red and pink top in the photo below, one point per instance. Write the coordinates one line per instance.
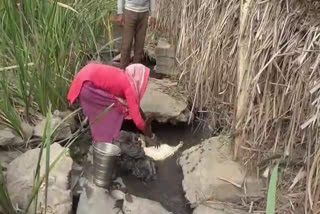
(130, 85)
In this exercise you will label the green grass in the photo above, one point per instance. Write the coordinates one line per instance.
(39, 180)
(43, 45)
(5, 201)
(57, 39)
(272, 191)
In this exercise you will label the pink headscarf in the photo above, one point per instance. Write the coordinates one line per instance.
(138, 76)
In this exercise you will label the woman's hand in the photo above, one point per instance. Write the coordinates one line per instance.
(148, 128)
(153, 141)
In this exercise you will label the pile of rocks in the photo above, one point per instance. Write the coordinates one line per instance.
(165, 57)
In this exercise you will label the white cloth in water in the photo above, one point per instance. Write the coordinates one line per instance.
(161, 153)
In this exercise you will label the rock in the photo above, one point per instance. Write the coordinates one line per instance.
(164, 49)
(165, 58)
(69, 119)
(166, 69)
(210, 173)
(163, 104)
(6, 137)
(167, 62)
(136, 205)
(76, 174)
(9, 137)
(118, 195)
(96, 200)
(211, 208)
(63, 132)
(20, 179)
(27, 131)
(7, 156)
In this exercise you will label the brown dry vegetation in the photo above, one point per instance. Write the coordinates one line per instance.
(282, 116)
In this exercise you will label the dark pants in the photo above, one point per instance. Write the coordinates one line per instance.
(135, 28)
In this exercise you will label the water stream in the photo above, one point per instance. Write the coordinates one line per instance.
(167, 188)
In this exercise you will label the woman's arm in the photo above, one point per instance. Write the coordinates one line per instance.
(143, 114)
(137, 114)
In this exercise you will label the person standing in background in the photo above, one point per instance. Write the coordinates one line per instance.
(134, 16)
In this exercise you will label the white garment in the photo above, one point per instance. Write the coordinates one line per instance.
(161, 153)
(138, 6)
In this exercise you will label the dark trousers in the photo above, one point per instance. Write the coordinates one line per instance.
(135, 28)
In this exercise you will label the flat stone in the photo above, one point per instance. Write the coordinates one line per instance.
(160, 101)
(6, 137)
(211, 208)
(63, 132)
(7, 156)
(20, 179)
(136, 205)
(9, 137)
(166, 70)
(164, 49)
(166, 61)
(211, 174)
(96, 200)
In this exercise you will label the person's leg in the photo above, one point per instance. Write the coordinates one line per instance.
(140, 36)
(130, 22)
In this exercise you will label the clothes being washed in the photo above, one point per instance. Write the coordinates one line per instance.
(133, 158)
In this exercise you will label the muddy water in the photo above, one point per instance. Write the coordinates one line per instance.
(167, 188)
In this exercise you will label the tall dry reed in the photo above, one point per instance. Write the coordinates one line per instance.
(282, 117)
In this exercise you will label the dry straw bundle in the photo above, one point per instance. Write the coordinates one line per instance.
(282, 116)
